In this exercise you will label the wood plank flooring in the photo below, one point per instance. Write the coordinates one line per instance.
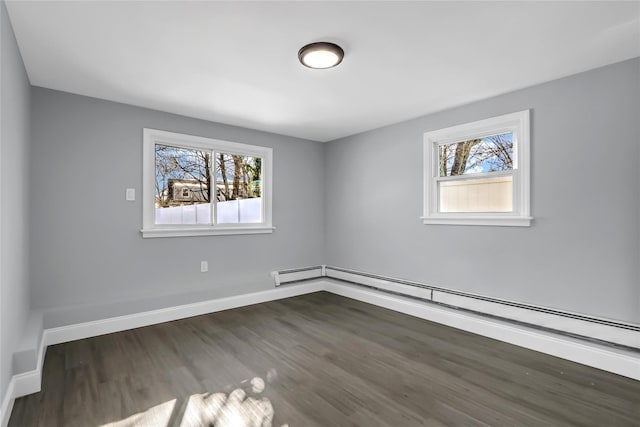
(325, 361)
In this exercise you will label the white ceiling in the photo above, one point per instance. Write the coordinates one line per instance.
(236, 62)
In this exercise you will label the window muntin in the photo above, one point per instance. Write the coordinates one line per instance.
(477, 173)
(204, 186)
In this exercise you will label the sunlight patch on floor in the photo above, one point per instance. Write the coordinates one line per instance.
(154, 417)
(237, 410)
(243, 407)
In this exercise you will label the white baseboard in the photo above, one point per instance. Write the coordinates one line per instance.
(30, 382)
(7, 404)
(615, 332)
(617, 361)
(137, 320)
(610, 359)
(577, 326)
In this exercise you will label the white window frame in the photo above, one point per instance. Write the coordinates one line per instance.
(518, 125)
(151, 137)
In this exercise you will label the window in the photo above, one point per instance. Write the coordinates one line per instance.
(478, 173)
(196, 186)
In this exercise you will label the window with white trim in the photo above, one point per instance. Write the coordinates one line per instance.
(195, 186)
(478, 173)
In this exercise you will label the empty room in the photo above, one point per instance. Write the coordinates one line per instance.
(319, 213)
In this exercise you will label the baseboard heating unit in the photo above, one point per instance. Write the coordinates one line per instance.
(601, 343)
(600, 330)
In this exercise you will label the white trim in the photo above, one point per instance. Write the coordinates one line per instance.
(479, 178)
(591, 354)
(149, 228)
(505, 221)
(604, 332)
(7, 403)
(619, 362)
(122, 323)
(29, 382)
(518, 125)
(204, 231)
(276, 278)
(293, 276)
(386, 285)
(558, 320)
(26, 382)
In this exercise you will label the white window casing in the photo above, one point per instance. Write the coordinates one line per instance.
(515, 123)
(151, 137)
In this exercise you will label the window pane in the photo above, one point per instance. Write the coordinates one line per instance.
(488, 154)
(477, 195)
(238, 189)
(182, 186)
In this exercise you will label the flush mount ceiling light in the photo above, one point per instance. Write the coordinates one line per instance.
(321, 55)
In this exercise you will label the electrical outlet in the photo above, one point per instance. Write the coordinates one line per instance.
(204, 266)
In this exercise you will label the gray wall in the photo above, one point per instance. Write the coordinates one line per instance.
(14, 190)
(582, 252)
(86, 246)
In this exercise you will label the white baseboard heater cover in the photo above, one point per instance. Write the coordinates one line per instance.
(578, 325)
(297, 274)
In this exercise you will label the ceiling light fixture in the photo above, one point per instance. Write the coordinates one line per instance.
(321, 55)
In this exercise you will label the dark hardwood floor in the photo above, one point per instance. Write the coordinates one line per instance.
(325, 361)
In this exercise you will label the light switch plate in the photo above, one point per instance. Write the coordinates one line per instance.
(131, 194)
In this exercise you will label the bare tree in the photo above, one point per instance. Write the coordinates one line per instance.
(461, 156)
(492, 153)
(237, 171)
(445, 155)
(194, 168)
(222, 167)
(165, 170)
(174, 163)
(500, 147)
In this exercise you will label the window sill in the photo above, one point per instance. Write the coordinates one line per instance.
(499, 221)
(203, 231)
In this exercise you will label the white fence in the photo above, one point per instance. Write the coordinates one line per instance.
(229, 212)
(477, 195)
